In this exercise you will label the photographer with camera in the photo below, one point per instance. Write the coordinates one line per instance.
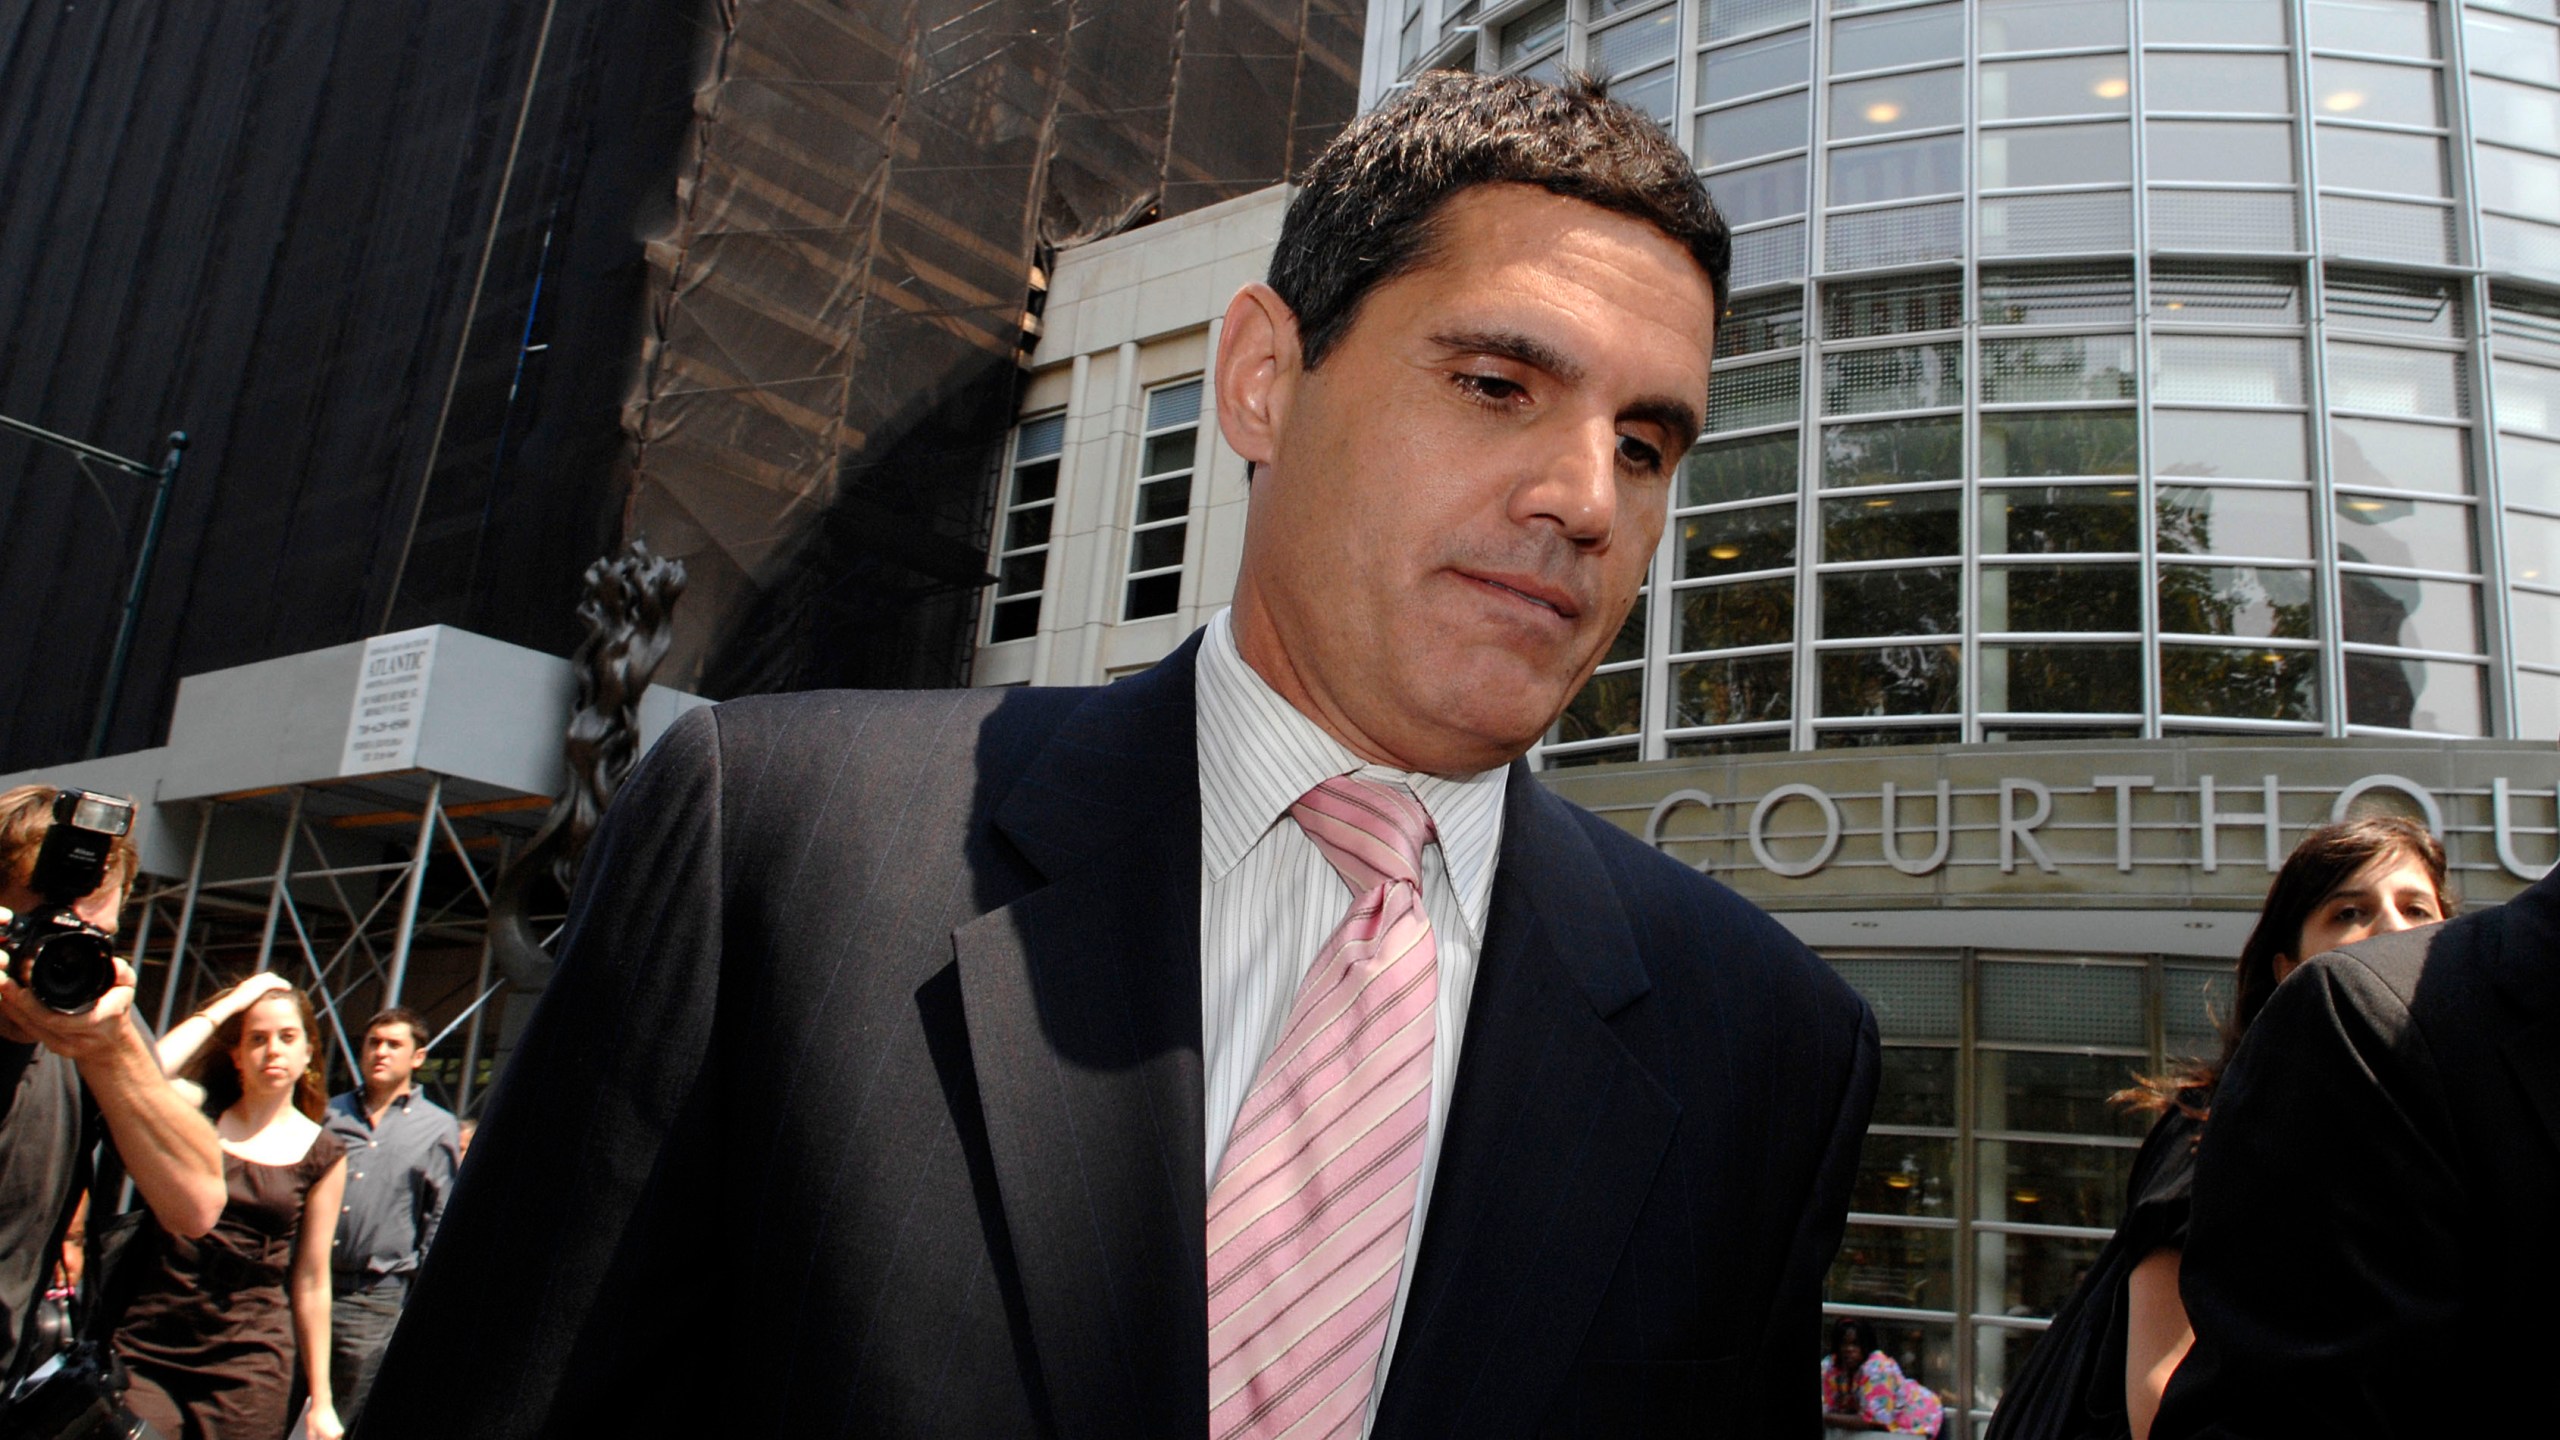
(76, 1065)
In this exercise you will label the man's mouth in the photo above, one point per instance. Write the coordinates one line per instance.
(1553, 601)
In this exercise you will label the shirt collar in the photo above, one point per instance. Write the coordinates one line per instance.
(1258, 754)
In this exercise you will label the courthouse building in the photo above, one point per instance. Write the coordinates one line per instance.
(2136, 439)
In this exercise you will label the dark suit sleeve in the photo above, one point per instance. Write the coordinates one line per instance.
(1785, 1398)
(2324, 1259)
(578, 1242)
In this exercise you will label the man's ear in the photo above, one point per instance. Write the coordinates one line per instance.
(1257, 372)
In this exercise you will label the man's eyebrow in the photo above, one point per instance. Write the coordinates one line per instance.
(1676, 417)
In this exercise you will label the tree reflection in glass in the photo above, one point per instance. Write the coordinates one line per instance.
(2062, 679)
(1611, 703)
(1734, 542)
(2061, 520)
(1734, 691)
(2202, 520)
(2244, 601)
(2240, 684)
(2050, 598)
(1893, 452)
(1892, 527)
(1754, 468)
(1893, 680)
(2067, 442)
(1729, 617)
(1924, 601)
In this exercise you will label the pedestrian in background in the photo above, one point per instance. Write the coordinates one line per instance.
(402, 1149)
(2098, 1373)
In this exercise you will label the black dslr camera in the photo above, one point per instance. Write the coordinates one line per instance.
(63, 960)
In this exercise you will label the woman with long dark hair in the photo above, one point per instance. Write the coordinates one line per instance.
(2098, 1373)
(214, 1329)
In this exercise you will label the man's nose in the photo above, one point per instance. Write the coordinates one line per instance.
(1576, 486)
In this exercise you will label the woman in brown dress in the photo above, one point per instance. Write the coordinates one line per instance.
(212, 1335)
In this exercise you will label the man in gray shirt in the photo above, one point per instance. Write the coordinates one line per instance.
(401, 1152)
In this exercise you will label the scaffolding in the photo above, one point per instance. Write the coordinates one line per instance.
(366, 889)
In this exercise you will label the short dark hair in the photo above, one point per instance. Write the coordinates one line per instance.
(419, 1034)
(1366, 210)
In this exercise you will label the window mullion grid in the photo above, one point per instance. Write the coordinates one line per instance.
(2497, 613)
(1809, 538)
(1654, 699)
(1969, 351)
(2145, 498)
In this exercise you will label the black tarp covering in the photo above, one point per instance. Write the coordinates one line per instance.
(755, 293)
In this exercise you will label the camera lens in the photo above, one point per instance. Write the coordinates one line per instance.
(67, 971)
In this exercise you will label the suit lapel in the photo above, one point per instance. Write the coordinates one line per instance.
(1554, 1137)
(1082, 1000)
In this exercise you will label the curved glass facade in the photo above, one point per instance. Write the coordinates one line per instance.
(2098, 368)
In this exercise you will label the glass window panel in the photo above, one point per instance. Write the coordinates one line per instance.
(2218, 84)
(2056, 155)
(2043, 599)
(2436, 695)
(1911, 1269)
(2039, 1003)
(1765, 322)
(1532, 33)
(1625, 48)
(1903, 37)
(1044, 436)
(1749, 469)
(2038, 1273)
(2529, 471)
(2535, 638)
(2240, 684)
(1024, 529)
(2226, 294)
(1607, 752)
(2517, 49)
(1022, 573)
(1896, 377)
(2528, 397)
(2193, 1002)
(1153, 595)
(1727, 617)
(2395, 304)
(2537, 705)
(1893, 452)
(2058, 367)
(2219, 520)
(2514, 180)
(1014, 620)
(1897, 170)
(2533, 549)
(1727, 692)
(1610, 703)
(1166, 499)
(1762, 742)
(1918, 1087)
(2056, 294)
(1867, 737)
(2515, 114)
(2213, 22)
(2058, 442)
(2060, 520)
(2054, 679)
(1906, 526)
(1745, 396)
(2380, 160)
(1999, 1356)
(2243, 602)
(1902, 305)
(2415, 534)
(1914, 999)
(2030, 1182)
(1862, 603)
(1896, 680)
(1156, 549)
(2409, 613)
(1173, 405)
(2060, 1094)
(1171, 452)
(1549, 71)
(1757, 127)
(1651, 93)
(1921, 100)
(1735, 542)
(1724, 19)
(2225, 370)
(2235, 151)
(2379, 27)
(1905, 1175)
(1739, 70)
(2069, 85)
(2363, 90)
(2228, 444)
(2013, 25)
(2395, 381)
(1035, 482)
(1761, 192)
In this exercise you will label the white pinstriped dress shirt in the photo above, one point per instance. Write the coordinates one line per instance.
(1269, 899)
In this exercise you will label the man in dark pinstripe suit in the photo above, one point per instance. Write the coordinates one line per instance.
(885, 1078)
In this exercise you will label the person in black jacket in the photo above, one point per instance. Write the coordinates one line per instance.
(2097, 1374)
(2376, 1192)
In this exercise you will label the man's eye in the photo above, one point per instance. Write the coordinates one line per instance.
(1491, 389)
(1638, 454)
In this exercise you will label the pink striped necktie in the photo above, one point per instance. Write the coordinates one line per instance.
(1315, 1193)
